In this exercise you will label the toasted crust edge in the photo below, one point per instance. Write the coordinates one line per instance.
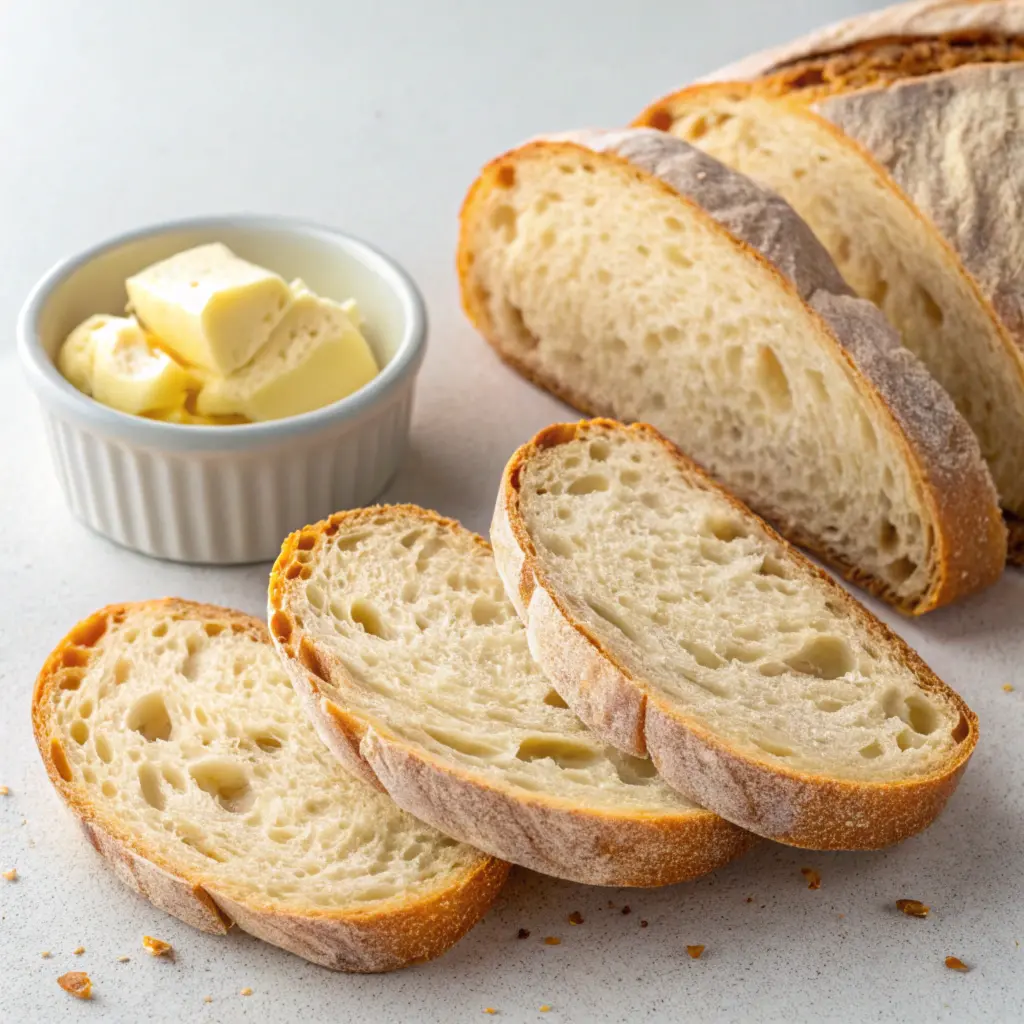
(788, 806)
(411, 931)
(966, 560)
(539, 831)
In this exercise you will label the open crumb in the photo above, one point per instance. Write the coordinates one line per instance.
(78, 950)
(523, 933)
(913, 908)
(695, 952)
(954, 963)
(552, 940)
(575, 917)
(156, 947)
(812, 876)
(11, 875)
(246, 991)
(77, 983)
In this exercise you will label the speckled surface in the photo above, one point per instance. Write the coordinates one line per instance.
(367, 133)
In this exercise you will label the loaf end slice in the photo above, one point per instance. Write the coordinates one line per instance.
(414, 667)
(676, 623)
(637, 277)
(173, 733)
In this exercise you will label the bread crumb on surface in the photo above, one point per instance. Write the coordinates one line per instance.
(523, 933)
(156, 947)
(552, 940)
(490, 1009)
(750, 899)
(812, 876)
(77, 983)
(954, 963)
(11, 875)
(913, 908)
(544, 1008)
(78, 950)
(626, 909)
(123, 959)
(695, 952)
(4, 791)
(1008, 687)
(246, 991)
(46, 954)
(575, 917)
(643, 924)
(207, 999)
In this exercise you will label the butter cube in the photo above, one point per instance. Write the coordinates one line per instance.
(112, 359)
(208, 306)
(315, 356)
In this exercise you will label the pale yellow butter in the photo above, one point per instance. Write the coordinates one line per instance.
(315, 356)
(112, 359)
(208, 306)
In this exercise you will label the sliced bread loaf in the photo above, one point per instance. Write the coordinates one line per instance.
(881, 243)
(415, 671)
(172, 731)
(675, 623)
(634, 275)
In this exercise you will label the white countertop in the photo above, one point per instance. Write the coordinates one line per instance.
(375, 117)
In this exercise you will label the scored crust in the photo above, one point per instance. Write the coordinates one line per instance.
(541, 831)
(407, 929)
(970, 538)
(993, 27)
(793, 807)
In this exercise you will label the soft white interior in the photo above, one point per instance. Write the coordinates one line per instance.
(610, 286)
(415, 611)
(693, 597)
(188, 735)
(886, 253)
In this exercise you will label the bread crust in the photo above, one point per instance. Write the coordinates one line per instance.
(797, 808)
(537, 830)
(408, 929)
(970, 538)
(920, 19)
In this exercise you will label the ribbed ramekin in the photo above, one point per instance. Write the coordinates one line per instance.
(225, 494)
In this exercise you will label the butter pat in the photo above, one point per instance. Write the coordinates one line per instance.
(112, 359)
(315, 356)
(208, 306)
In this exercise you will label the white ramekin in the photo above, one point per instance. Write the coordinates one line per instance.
(225, 494)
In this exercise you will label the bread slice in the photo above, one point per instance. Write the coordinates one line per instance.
(675, 623)
(637, 277)
(416, 672)
(883, 246)
(171, 730)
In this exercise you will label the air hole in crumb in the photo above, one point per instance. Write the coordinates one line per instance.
(901, 570)
(79, 731)
(588, 484)
(460, 743)
(599, 450)
(772, 378)
(60, 760)
(227, 781)
(829, 705)
(961, 731)
(888, 536)
(267, 741)
(872, 750)
(109, 789)
(772, 566)
(702, 654)
(74, 657)
(635, 771)
(565, 753)
(122, 670)
(725, 528)
(103, 749)
(149, 717)
(363, 614)
(88, 633)
(485, 612)
(506, 176)
(602, 611)
(85, 708)
(554, 699)
(932, 310)
(174, 777)
(150, 784)
(816, 382)
(770, 746)
(71, 678)
(907, 739)
(674, 254)
(504, 219)
(825, 657)
(159, 630)
(556, 544)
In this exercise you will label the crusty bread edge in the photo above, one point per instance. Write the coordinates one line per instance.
(921, 19)
(788, 806)
(409, 929)
(965, 561)
(537, 830)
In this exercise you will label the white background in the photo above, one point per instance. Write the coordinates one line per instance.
(375, 117)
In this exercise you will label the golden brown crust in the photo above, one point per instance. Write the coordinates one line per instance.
(969, 535)
(409, 929)
(540, 831)
(788, 806)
